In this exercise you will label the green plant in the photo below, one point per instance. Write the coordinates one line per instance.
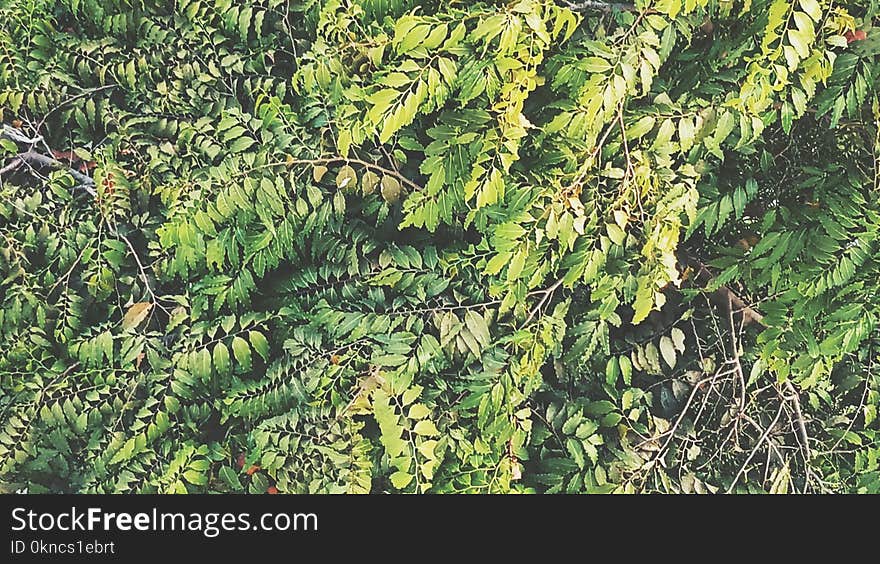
(383, 245)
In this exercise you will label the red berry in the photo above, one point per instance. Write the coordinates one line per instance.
(272, 490)
(240, 461)
(252, 469)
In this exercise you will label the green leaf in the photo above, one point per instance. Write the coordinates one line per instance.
(615, 233)
(400, 479)
(758, 369)
(418, 411)
(625, 369)
(259, 343)
(612, 371)
(667, 350)
(242, 352)
(195, 477)
(800, 42)
(478, 328)
(241, 144)
(497, 262)
(426, 428)
(812, 8)
(600, 407)
(644, 303)
(516, 265)
(640, 128)
(230, 477)
(221, 359)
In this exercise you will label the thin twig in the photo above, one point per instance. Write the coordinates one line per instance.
(858, 409)
(801, 424)
(757, 447)
(141, 270)
(74, 98)
(734, 342)
(547, 294)
(678, 420)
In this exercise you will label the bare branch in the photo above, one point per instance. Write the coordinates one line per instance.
(547, 294)
(734, 342)
(36, 159)
(15, 135)
(596, 6)
(16, 162)
(801, 424)
(755, 450)
(725, 295)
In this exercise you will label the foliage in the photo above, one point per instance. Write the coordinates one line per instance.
(383, 245)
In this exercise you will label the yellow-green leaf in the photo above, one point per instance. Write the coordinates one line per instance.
(390, 189)
(221, 358)
(667, 349)
(426, 428)
(615, 233)
(242, 352)
(401, 479)
(369, 181)
(346, 177)
(418, 411)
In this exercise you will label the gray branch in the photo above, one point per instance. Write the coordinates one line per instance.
(39, 160)
(36, 160)
(16, 135)
(597, 6)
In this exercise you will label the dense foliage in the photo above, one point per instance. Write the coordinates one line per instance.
(400, 246)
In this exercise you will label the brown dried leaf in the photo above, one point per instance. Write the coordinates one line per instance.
(136, 315)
